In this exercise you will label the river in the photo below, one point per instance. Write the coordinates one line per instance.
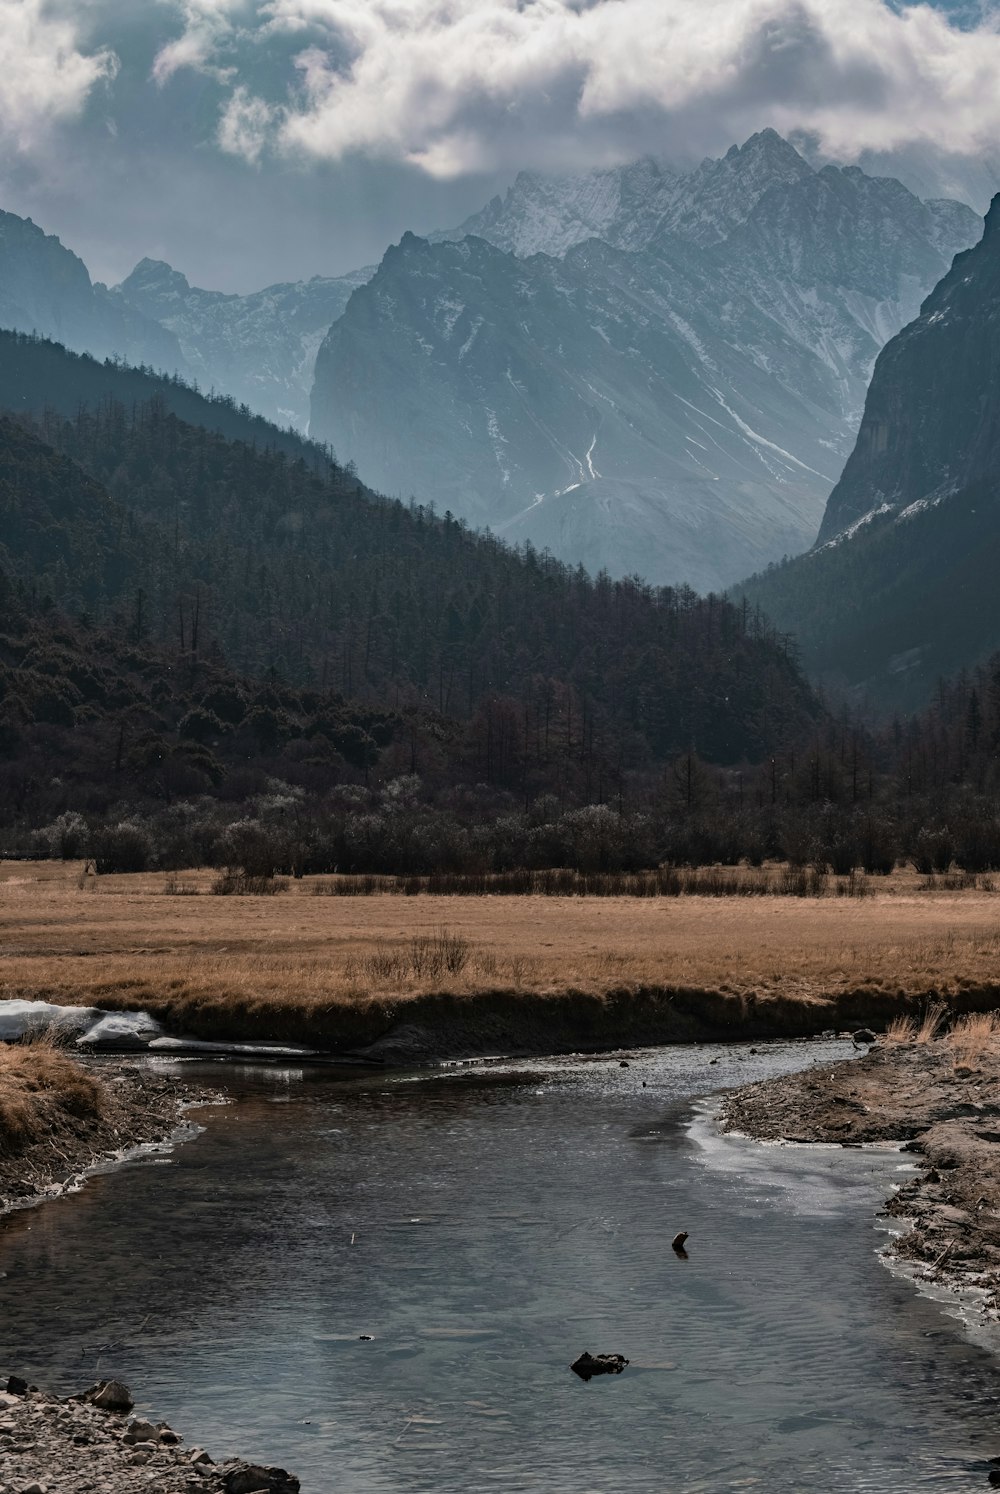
(485, 1227)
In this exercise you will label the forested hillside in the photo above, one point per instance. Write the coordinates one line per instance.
(37, 375)
(221, 649)
(280, 567)
(188, 539)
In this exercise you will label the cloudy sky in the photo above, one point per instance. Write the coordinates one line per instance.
(248, 141)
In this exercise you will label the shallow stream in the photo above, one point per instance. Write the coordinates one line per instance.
(486, 1227)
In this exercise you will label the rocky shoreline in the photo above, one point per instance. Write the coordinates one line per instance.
(90, 1444)
(938, 1101)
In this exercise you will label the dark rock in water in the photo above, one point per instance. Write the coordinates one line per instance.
(111, 1395)
(17, 1386)
(253, 1478)
(589, 1365)
(678, 1242)
(995, 1479)
(623, 1064)
(366, 1338)
(863, 1035)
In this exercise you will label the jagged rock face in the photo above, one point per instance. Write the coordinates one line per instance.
(626, 205)
(551, 398)
(259, 348)
(721, 195)
(932, 418)
(900, 590)
(45, 288)
(678, 407)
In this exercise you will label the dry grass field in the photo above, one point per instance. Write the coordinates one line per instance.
(303, 965)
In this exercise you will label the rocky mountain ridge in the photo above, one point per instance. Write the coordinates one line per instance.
(259, 348)
(46, 289)
(675, 400)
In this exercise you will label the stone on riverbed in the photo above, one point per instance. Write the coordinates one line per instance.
(140, 1430)
(253, 1478)
(110, 1395)
(589, 1365)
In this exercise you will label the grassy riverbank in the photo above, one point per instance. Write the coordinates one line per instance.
(59, 1117)
(484, 973)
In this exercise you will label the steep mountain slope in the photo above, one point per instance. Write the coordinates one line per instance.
(681, 409)
(932, 417)
(259, 348)
(192, 541)
(483, 380)
(45, 288)
(901, 587)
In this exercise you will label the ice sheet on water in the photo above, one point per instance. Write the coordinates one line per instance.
(161, 1044)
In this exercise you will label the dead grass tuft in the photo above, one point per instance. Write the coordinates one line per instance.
(931, 1022)
(41, 1091)
(242, 884)
(922, 1029)
(973, 1036)
(901, 1030)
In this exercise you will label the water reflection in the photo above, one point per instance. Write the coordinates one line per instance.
(381, 1283)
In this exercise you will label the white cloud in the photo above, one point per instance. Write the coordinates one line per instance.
(462, 85)
(45, 76)
(208, 26)
(246, 125)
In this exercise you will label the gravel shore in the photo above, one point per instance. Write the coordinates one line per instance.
(91, 1444)
(945, 1107)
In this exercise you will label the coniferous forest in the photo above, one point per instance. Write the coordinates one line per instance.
(205, 630)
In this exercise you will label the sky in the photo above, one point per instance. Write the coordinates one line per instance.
(251, 141)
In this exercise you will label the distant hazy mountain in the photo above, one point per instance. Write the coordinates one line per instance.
(676, 394)
(930, 172)
(901, 587)
(259, 348)
(45, 288)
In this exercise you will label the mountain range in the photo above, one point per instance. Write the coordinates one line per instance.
(639, 371)
(649, 373)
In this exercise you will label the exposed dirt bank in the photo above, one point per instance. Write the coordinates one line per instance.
(91, 1443)
(942, 1098)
